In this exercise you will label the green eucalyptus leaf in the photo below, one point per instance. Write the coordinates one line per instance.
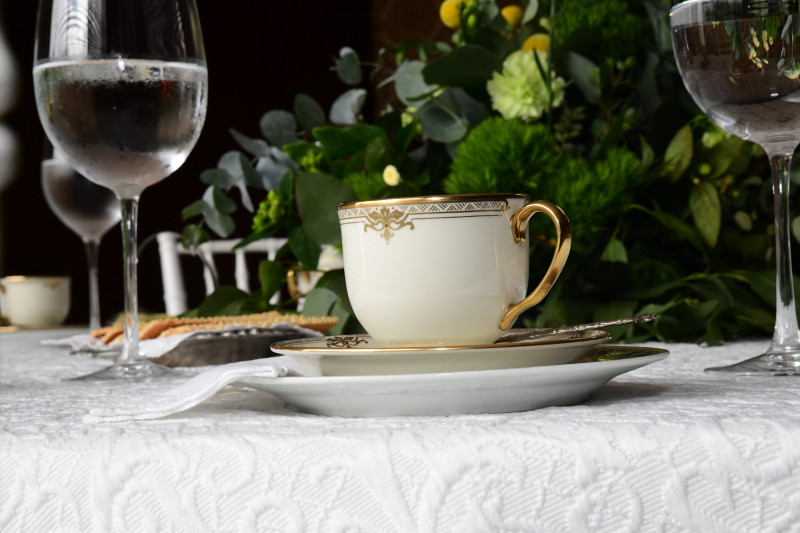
(216, 215)
(309, 113)
(318, 196)
(257, 147)
(614, 252)
(679, 153)
(530, 11)
(348, 66)
(339, 311)
(346, 109)
(279, 127)
(585, 74)
(318, 302)
(410, 85)
(466, 66)
(441, 125)
(251, 175)
(335, 280)
(304, 248)
(271, 275)
(706, 211)
(219, 177)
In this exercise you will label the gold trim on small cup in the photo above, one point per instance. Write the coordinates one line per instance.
(438, 199)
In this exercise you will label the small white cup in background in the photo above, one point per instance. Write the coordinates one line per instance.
(35, 301)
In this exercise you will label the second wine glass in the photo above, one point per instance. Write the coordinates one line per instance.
(88, 209)
(121, 89)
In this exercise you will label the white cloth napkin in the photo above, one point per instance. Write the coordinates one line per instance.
(197, 390)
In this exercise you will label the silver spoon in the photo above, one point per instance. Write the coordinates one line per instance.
(537, 333)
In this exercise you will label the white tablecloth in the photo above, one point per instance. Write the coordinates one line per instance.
(664, 448)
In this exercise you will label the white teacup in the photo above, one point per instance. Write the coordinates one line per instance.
(35, 301)
(449, 270)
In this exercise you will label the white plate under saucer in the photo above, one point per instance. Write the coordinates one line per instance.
(361, 355)
(454, 393)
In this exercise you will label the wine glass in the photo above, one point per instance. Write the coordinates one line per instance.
(121, 88)
(740, 62)
(86, 208)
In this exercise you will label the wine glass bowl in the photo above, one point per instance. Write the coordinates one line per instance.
(121, 89)
(88, 209)
(740, 62)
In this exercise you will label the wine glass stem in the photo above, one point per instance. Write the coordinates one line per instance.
(92, 247)
(130, 345)
(786, 337)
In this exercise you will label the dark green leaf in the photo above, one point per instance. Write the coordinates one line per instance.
(194, 209)
(279, 127)
(318, 196)
(193, 235)
(377, 155)
(309, 113)
(304, 249)
(221, 301)
(342, 143)
(679, 154)
(614, 252)
(271, 274)
(466, 66)
(706, 211)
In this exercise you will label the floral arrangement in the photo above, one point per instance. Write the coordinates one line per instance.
(574, 101)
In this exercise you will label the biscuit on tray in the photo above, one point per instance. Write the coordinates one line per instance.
(164, 327)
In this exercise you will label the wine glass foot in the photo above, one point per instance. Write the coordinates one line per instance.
(770, 363)
(140, 370)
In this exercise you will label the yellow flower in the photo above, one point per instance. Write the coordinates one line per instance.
(512, 14)
(450, 13)
(391, 176)
(538, 41)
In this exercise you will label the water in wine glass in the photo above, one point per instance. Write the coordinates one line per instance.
(741, 65)
(143, 117)
(86, 208)
(121, 89)
(744, 74)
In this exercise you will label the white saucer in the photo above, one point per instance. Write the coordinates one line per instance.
(361, 355)
(453, 393)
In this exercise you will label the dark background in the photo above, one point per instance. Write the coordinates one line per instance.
(260, 55)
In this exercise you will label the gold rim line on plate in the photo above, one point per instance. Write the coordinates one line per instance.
(438, 199)
(286, 345)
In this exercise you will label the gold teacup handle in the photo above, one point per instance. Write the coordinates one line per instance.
(519, 223)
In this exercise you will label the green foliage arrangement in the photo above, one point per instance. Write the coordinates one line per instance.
(574, 101)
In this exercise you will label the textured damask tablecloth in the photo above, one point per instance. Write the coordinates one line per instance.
(664, 448)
